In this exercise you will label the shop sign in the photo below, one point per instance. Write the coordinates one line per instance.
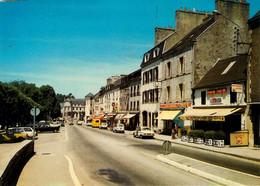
(203, 118)
(176, 105)
(239, 138)
(237, 88)
(217, 91)
(116, 107)
(215, 100)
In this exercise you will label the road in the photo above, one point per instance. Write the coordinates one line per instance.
(80, 155)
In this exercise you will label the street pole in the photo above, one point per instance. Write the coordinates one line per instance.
(34, 115)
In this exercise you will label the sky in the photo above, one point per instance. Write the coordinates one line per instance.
(74, 46)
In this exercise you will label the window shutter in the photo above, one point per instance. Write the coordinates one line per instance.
(178, 66)
(177, 93)
(166, 70)
(184, 63)
(183, 92)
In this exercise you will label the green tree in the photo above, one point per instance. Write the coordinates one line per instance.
(15, 106)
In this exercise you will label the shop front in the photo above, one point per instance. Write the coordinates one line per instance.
(170, 120)
(227, 120)
(131, 121)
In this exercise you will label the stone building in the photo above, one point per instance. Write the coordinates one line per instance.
(185, 56)
(89, 106)
(74, 108)
(220, 97)
(253, 108)
(130, 99)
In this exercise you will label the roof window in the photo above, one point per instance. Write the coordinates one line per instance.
(156, 52)
(228, 67)
(146, 57)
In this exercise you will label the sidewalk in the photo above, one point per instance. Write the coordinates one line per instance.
(246, 152)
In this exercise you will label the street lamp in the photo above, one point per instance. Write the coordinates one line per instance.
(237, 28)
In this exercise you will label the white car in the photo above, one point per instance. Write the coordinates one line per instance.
(28, 131)
(119, 128)
(143, 132)
(103, 126)
(80, 122)
(89, 123)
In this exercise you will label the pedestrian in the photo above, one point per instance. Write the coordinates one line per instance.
(173, 134)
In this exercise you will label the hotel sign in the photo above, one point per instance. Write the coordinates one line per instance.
(176, 105)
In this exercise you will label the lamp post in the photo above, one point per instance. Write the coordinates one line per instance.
(237, 28)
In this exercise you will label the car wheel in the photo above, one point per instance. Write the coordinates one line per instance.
(20, 139)
(141, 136)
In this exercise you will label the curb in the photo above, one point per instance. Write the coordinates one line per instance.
(198, 147)
(197, 172)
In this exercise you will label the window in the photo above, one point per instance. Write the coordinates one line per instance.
(233, 96)
(155, 73)
(146, 57)
(203, 97)
(156, 52)
(180, 92)
(138, 90)
(137, 106)
(168, 71)
(181, 65)
(131, 105)
(168, 93)
(134, 106)
(150, 75)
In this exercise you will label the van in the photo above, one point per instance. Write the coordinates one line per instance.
(96, 122)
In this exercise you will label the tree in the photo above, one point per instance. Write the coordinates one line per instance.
(15, 106)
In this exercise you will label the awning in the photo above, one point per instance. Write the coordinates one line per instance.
(128, 116)
(168, 115)
(216, 114)
(119, 116)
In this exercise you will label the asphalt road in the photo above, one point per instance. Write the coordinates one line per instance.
(81, 155)
(112, 158)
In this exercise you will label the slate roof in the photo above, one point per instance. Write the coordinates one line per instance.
(215, 76)
(193, 34)
(78, 101)
(254, 22)
(89, 95)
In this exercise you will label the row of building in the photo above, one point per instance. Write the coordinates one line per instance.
(201, 74)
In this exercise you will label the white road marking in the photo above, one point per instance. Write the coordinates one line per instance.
(72, 172)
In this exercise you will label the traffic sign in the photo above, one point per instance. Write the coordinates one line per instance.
(37, 112)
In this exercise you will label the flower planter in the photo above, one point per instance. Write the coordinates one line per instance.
(190, 139)
(198, 140)
(219, 143)
(208, 142)
(183, 138)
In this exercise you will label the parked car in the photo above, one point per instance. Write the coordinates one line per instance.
(143, 132)
(28, 131)
(89, 123)
(103, 125)
(80, 122)
(62, 123)
(46, 127)
(13, 134)
(119, 128)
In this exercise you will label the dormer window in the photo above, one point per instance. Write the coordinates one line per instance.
(156, 52)
(146, 57)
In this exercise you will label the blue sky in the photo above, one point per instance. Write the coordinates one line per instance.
(74, 46)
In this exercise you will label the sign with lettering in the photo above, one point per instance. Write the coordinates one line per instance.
(215, 101)
(239, 138)
(237, 88)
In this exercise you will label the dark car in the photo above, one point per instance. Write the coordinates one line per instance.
(46, 127)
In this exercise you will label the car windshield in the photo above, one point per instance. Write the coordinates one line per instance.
(146, 128)
(27, 129)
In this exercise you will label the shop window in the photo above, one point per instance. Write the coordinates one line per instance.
(203, 97)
